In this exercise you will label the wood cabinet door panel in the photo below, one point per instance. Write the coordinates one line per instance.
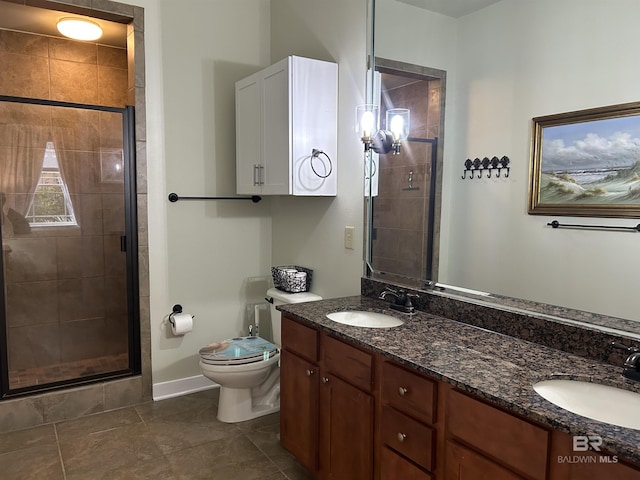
(464, 464)
(299, 382)
(346, 431)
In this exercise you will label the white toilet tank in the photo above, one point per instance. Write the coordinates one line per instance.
(279, 298)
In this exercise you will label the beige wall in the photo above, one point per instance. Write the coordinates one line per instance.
(214, 258)
(310, 231)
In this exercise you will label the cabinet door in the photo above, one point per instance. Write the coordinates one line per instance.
(276, 129)
(299, 408)
(464, 464)
(248, 149)
(346, 431)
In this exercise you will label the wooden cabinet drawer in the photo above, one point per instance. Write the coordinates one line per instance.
(348, 362)
(510, 440)
(300, 339)
(394, 467)
(409, 392)
(409, 437)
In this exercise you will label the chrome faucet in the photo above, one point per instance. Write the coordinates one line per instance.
(402, 300)
(631, 368)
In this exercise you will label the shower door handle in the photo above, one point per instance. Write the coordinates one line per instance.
(123, 243)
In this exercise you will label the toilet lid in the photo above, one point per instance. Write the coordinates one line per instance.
(238, 351)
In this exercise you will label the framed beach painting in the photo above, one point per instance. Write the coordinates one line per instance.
(587, 163)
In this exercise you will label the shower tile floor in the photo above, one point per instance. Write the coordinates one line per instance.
(29, 377)
(178, 438)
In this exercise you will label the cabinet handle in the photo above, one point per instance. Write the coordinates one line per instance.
(325, 379)
(402, 391)
(401, 437)
(310, 372)
(260, 174)
(255, 175)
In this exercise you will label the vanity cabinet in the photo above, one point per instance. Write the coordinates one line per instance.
(348, 413)
(283, 113)
(326, 403)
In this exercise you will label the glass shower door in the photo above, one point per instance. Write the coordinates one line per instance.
(67, 186)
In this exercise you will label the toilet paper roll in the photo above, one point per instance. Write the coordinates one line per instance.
(181, 323)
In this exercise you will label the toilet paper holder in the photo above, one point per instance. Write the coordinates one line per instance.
(177, 308)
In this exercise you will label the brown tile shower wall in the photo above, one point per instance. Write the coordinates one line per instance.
(66, 290)
(400, 242)
(36, 66)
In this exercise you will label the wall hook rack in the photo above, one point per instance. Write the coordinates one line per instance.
(557, 224)
(486, 164)
(173, 197)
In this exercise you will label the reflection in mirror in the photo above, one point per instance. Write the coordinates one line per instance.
(506, 62)
(403, 197)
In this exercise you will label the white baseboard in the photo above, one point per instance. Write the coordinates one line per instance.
(182, 386)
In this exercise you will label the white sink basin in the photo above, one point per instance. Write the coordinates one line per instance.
(358, 318)
(593, 400)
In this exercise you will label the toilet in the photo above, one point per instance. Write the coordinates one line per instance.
(248, 368)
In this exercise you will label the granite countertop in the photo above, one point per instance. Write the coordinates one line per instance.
(493, 366)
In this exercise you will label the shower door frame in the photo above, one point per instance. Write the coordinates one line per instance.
(129, 243)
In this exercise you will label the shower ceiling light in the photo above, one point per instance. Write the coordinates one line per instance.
(79, 28)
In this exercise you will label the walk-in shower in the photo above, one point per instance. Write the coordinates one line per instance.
(69, 288)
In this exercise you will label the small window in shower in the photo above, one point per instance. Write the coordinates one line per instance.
(51, 205)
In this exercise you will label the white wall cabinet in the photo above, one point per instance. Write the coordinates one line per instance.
(283, 114)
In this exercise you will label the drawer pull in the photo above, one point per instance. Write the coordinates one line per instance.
(309, 372)
(325, 379)
(402, 391)
(401, 437)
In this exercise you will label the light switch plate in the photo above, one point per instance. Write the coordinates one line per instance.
(348, 237)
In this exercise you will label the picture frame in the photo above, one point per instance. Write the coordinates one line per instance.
(586, 163)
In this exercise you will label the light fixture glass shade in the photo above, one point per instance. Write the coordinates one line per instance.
(367, 122)
(398, 123)
(79, 28)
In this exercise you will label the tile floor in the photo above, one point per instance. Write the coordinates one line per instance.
(178, 438)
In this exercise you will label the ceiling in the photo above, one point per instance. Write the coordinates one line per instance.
(24, 18)
(451, 8)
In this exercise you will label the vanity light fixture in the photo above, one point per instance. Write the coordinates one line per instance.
(79, 28)
(382, 141)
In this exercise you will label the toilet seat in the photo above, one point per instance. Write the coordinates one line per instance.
(238, 351)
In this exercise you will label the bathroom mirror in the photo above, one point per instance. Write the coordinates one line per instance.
(506, 62)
